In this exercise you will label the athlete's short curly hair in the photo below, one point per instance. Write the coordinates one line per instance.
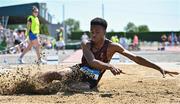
(99, 21)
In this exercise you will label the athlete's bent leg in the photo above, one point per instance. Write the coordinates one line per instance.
(55, 75)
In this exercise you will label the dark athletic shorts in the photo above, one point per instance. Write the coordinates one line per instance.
(78, 76)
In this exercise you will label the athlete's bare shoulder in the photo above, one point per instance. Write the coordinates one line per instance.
(115, 47)
(85, 43)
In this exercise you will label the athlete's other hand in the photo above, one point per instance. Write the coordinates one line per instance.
(115, 71)
(171, 73)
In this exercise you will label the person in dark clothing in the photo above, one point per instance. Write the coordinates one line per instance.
(97, 54)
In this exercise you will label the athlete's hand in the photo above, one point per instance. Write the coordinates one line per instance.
(171, 73)
(115, 71)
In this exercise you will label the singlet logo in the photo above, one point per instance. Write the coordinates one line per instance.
(94, 74)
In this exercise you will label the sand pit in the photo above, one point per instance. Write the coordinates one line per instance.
(144, 86)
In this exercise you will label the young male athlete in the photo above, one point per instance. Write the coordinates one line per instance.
(97, 54)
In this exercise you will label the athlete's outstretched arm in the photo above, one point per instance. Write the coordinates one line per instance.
(140, 60)
(96, 63)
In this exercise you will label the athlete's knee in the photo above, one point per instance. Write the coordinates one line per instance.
(53, 74)
(50, 76)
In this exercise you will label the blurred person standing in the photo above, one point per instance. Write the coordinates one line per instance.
(17, 40)
(170, 40)
(135, 42)
(179, 39)
(175, 40)
(84, 37)
(33, 30)
(115, 39)
(60, 44)
(163, 38)
(123, 42)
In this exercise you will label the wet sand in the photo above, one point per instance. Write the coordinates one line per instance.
(143, 86)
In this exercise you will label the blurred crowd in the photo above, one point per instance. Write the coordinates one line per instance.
(169, 40)
(128, 44)
(14, 41)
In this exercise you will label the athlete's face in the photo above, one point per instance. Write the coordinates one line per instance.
(35, 12)
(97, 33)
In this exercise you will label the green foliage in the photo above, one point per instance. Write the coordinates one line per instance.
(131, 27)
(16, 26)
(44, 29)
(74, 26)
(143, 28)
(3, 44)
(12, 27)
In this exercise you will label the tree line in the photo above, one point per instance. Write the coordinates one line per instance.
(74, 26)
